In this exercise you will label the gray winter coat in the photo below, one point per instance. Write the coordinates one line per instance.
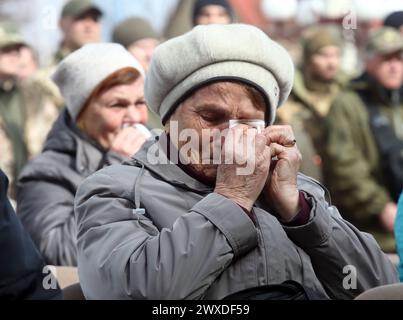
(47, 186)
(153, 232)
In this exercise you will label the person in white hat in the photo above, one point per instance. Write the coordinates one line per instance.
(102, 85)
(163, 227)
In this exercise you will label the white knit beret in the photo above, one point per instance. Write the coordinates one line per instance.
(218, 52)
(81, 71)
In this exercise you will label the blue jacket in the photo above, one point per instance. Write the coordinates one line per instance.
(399, 235)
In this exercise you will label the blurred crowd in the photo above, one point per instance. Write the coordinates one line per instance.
(345, 108)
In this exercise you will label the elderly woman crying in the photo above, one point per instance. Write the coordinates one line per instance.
(103, 124)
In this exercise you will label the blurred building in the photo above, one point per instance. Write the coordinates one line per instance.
(39, 19)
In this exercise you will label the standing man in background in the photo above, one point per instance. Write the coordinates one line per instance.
(363, 162)
(27, 110)
(80, 25)
(316, 83)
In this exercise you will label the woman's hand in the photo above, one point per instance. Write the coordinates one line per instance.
(128, 141)
(241, 184)
(281, 190)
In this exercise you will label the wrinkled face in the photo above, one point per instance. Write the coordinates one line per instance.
(387, 69)
(211, 107)
(82, 30)
(143, 50)
(106, 115)
(213, 14)
(325, 64)
(9, 60)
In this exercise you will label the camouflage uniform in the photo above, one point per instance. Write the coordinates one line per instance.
(39, 111)
(27, 111)
(352, 162)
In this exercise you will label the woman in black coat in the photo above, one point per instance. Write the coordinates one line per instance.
(22, 268)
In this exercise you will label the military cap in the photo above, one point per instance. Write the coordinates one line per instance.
(384, 41)
(9, 35)
(317, 38)
(76, 8)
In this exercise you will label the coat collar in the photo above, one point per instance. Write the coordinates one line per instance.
(66, 138)
(368, 84)
(167, 170)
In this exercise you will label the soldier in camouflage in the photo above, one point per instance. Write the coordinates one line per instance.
(80, 25)
(27, 109)
(353, 165)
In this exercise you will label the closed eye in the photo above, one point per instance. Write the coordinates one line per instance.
(120, 103)
(213, 114)
(140, 103)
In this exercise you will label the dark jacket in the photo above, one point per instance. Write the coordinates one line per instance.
(47, 186)
(352, 162)
(21, 268)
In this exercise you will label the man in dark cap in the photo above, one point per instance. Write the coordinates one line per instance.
(80, 25)
(364, 150)
(212, 12)
(395, 20)
(22, 273)
(138, 37)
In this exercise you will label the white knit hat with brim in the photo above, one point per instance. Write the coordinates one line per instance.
(84, 69)
(212, 53)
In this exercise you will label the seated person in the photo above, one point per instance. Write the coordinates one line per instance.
(180, 222)
(102, 85)
(22, 269)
